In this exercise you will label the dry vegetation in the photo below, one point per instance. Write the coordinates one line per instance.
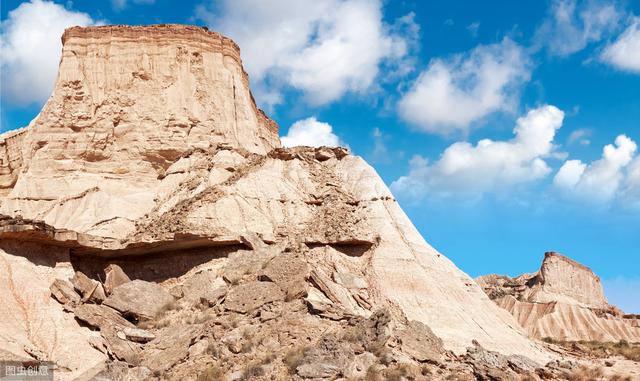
(600, 349)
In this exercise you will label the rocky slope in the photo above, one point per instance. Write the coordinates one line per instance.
(152, 228)
(564, 300)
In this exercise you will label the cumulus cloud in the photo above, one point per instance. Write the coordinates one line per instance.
(312, 46)
(571, 26)
(453, 93)
(605, 179)
(624, 53)
(30, 49)
(489, 166)
(310, 132)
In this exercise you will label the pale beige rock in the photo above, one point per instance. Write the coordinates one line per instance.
(30, 318)
(140, 299)
(156, 147)
(138, 335)
(249, 296)
(561, 278)
(64, 293)
(90, 289)
(289, 272)
(114, 277)
(205, 285)
(418, 341)
(100, 316)
(134, 100)
(564, 300)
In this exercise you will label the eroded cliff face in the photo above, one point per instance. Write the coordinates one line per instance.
(128, 103)
(564, 300)
(562, 277)
(150, 158)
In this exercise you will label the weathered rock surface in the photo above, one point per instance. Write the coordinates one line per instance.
(100, 316)
(151, 155)
(250, 296)
(418, 341)
(128, 103)
(139, 299)
(564, 300)
(90, 289)
(64, 292)
(31, 318)
(114, 277)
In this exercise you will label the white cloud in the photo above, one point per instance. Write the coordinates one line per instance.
(451, 94)
(323, 48)
(580, 136)
(31, 47)
(631, 185)
(602, 180)
(489, 166)
(310, 132)
(572, 25)
(624, 53)
(473, 29)
(121, 4)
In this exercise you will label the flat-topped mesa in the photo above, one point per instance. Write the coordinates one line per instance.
(128, 102)
(144, 95)
(564, 300)
(562, 277)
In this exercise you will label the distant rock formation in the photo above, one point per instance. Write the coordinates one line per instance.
(564, 300)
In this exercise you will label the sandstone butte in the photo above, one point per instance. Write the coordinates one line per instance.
(564, 300)
(153, 228)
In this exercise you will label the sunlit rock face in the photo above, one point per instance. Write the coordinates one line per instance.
(564, 300)
(151, 155)
(128, 103)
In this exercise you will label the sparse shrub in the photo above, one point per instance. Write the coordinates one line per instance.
(213, 349)
(623, 348)
(584, 373)
(397, 374)
(294, 358)
(251, 372)
(212, 373)
(373, 374)
(619, 378)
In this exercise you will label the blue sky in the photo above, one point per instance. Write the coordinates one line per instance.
(505, 129)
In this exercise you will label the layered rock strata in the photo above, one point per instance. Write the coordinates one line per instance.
(151, 156)
(564, 300)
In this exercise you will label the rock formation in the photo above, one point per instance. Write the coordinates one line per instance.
(564, 300)
(153, 227)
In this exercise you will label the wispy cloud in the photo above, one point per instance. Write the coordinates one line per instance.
(580, 136)
(624, 52)
(570, 26)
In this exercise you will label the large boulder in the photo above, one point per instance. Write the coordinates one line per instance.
(91, 290)
(114, 277)
(139, 299)
(418, 341)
